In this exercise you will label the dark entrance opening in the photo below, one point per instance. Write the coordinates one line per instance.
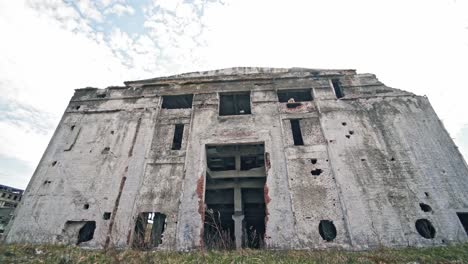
(234, 198)
(337, 87)
(425, 228)
(464, 220)
(327, 230)
(149, 229)
(77, 232)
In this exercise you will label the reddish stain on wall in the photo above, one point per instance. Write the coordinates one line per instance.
(201, 204)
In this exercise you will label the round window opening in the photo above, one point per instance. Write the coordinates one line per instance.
(327, 230)
(425, 228)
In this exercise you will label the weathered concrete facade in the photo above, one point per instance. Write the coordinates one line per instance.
(371, 163)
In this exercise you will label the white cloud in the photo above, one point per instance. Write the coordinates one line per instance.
(89, 9)
(120, 10)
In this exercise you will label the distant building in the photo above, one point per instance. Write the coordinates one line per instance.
(247, 157)
(9, 200)
(9, 196)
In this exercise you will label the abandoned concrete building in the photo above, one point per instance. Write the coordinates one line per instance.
(247, 157)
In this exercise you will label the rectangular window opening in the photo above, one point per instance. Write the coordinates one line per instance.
(177, 101)
(337, 87)
(464, 220)
(149, 229)
(302, 95)
(178, 135)
(296, 132)
(234, 104)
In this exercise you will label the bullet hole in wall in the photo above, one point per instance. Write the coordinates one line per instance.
(105, 150)
(86, 206)
(363, 159)
(392, 159)
(112, 132)
(77, 107)
(327, 230)
(426, 193)
(344, 124)
(54, 163)
(314, 161)
(351, 132)
(425, 207)
(316, 172)
(425, 228)
(47, 182)
(106, 216)
(72, 127)
(348, 136)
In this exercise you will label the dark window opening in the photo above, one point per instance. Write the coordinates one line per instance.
(296, 131)
(337, 87)
(106, 216)
(178, 135)
(177, 101)
(235, 212)
(327, 230)
(149, 229)
(425, 228)
(101, 95)
(234, 104)
(316, 172)
(425, 207)
(286, 96)
(464, 220)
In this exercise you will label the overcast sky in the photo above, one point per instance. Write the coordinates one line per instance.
(50, 47)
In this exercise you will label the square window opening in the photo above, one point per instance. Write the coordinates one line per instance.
(234, 104)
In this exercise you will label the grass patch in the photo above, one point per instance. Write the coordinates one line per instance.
(71, 254)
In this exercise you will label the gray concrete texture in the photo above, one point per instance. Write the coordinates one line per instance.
(381, 152)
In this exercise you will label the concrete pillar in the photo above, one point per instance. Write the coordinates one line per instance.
(238, 229)
(238, 216)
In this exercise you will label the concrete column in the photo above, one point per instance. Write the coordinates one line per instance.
(238, 229)
(238, 216)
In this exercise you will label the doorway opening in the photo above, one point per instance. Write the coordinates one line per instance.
(234, 196)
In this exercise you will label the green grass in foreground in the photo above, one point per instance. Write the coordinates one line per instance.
(68, 254)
